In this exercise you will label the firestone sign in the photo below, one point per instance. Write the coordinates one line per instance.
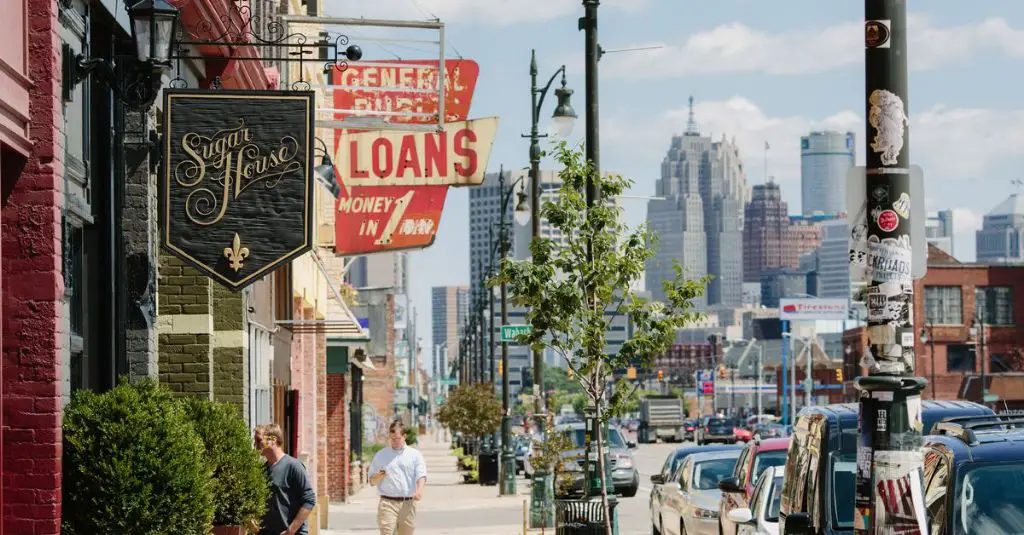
(812, 309)
(236, 188)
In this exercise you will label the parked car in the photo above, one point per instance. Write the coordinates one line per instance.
(738, 489)
(715, 429)
(741, 432)
(823, 453)
(689, 428)
(668, 477)
(763, 517)
(691, 507)
(763, 431)
(625, 476)
(974, 476)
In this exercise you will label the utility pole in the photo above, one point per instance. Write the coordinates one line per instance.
(508, 455)
(890, 397)
(757, 378)
(592, 55)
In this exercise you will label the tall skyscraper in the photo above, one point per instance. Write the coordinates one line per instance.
(447, 317)
(825, 159)
(764, 226)
(939, 230)
(1002, 233)
(833, 262)
(700, 219)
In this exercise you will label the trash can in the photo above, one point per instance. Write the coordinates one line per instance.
(581, 517)
(487, 468)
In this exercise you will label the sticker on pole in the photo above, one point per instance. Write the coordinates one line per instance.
(857, 201)
(898, 495)
(887, 220)
(876, 34)
(890, 261)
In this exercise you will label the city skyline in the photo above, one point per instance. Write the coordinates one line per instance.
(789, 70)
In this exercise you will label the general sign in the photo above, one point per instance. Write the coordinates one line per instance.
(236, 188)
(509, 333)
(390, 211)
(812, 309)
(396, 87)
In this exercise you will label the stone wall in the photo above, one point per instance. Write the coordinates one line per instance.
(337, 437)
(185, 329)
(230, 348)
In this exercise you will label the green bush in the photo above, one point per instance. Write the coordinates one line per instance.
(411, 436)
(133, 464)
(240, 486)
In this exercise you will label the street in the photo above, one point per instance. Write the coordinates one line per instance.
(451, 507)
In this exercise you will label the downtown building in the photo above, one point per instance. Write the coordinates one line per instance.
(773, 240)
(1002, 233)
(938, 230)
(700, 220)
(89, 296)
(825, 160)
(449, 307)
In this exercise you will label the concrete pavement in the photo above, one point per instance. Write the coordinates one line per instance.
(450, 507)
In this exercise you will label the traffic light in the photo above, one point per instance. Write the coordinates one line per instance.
(839, 375)
(661, 375)
(500, 367)
(721, 372)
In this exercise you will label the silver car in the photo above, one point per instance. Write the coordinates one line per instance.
(690, 504)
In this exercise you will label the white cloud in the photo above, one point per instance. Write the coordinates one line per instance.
(951, 144)
(965, 223)
(491, 12)
(738, 48)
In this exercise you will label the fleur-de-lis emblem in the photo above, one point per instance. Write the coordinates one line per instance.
(236, 253)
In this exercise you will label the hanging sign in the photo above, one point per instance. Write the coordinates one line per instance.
(365, 210)
(236, 188)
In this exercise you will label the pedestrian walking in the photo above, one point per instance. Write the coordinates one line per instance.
(399, 473)
(292, 497)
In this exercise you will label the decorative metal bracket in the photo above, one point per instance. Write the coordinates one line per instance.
(271, 39)
(136, 84)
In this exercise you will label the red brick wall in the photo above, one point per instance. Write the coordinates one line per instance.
(32, 291)
(320, 374)
(379, 384)
(997, 339)
(337, 438)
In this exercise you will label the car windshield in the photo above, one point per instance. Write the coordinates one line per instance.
(578, 437)
(843, 474)
(707, 474)
(774, 501)
(990, 499)
(768, 459)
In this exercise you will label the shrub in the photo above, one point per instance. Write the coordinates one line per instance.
(411, 436)
(133, 464)
(240, 486)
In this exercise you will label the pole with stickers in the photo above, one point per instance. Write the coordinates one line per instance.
(889, 459)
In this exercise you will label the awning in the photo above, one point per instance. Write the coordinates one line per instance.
(212, 20)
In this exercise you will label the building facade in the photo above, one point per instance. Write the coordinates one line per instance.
(1002, 233)
(447, 317)
(825, 159)
(939, 230)
(699, 221)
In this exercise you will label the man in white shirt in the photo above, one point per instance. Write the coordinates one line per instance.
(399, 473)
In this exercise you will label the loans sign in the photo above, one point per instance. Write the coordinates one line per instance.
(382, 204)
(236, 188)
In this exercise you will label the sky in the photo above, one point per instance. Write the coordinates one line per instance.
(758, 70)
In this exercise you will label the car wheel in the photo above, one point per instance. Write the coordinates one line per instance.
(629, 492)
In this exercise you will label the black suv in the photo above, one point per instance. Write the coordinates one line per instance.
(974, 476)
(821, 464)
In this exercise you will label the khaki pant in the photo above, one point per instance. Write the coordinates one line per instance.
(396, 517)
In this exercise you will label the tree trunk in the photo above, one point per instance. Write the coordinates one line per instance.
(601, 470)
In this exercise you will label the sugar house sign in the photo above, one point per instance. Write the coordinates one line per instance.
(236, 191)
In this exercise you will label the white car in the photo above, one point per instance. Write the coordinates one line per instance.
(764, 518)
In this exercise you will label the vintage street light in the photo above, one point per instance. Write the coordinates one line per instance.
(153, 28)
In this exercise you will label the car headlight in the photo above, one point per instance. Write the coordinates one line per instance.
(623, 462)
(705, 513)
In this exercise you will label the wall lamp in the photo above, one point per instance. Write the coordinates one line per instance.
(153, 28)
(325, 172)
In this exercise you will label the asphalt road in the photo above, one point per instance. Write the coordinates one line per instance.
(634, 513)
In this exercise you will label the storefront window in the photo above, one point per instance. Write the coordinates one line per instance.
(994, 304)
(942, 305)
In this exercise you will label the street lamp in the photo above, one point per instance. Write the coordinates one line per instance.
(978, 333)
(928, 337)
(153, 25)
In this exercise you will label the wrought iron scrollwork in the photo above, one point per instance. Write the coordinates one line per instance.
(241, 27)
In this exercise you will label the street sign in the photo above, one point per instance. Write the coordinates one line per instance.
(448, 381)
(510, 332)
(812, 309)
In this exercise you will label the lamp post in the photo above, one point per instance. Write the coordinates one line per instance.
(564, 119)
(928, 337)
(978, 333)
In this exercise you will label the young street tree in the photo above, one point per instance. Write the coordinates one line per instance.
(574, 291)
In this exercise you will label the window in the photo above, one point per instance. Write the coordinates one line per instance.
(844, 469)
(283, 305)
(994, 304)
(767, 459)
(960, 358)
(707, 474)
(742, 466)
(942, 305)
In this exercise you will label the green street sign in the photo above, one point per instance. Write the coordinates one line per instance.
(510, 332)
(448, 381)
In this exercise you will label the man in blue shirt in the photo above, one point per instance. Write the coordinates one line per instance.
(292, 497)
(399, 473)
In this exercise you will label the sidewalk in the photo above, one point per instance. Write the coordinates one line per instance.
(449, 506)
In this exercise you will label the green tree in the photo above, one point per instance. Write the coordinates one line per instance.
(575, 291)
(472, 410)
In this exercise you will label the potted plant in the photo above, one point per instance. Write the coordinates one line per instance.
(133, 463)
(239, 484)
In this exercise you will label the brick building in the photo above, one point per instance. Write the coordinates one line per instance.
(771, 238)
(947, 302)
